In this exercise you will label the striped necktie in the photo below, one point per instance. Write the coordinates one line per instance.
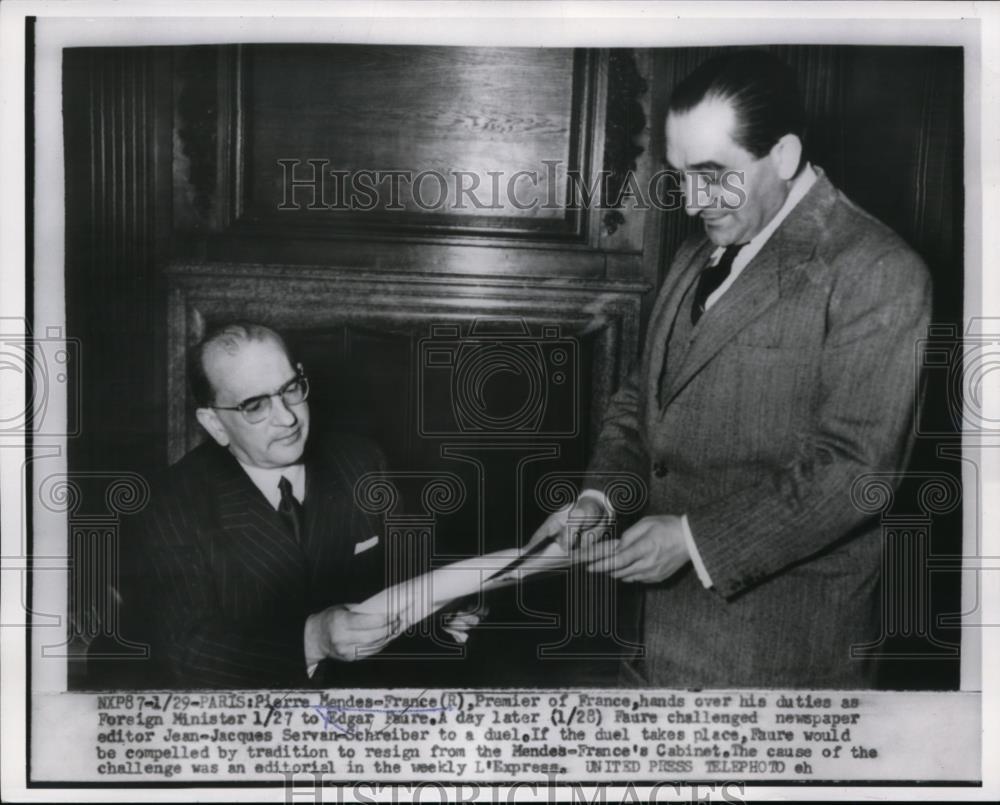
(290, 509)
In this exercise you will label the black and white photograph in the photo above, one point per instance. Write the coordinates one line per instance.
(516, 401)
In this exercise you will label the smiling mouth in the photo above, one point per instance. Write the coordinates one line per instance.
(291, 437)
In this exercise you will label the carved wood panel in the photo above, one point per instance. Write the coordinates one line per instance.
(334, 141)
(525, 149)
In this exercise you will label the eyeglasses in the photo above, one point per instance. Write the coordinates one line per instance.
(257, 409)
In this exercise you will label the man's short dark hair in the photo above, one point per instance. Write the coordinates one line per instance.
(229, 337)
(762, 90)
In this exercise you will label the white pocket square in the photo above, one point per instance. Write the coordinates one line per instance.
(366, 545)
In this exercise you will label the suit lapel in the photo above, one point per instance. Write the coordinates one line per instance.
(332, 518)
(665, 314)
(759, 285)
(753, 292)
(321, 528)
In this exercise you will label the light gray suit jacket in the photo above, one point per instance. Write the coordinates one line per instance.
(799, 379)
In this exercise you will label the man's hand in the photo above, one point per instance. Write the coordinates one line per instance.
(458, 624)
(650, 551)
(341, 634)
(578, 526)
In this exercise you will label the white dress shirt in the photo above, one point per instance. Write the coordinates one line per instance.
(266, 480)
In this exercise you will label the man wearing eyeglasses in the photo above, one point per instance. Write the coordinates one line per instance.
(253, 542)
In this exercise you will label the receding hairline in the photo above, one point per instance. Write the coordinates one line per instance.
(233, 337)
(228, 341)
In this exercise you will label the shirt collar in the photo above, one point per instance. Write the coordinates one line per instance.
(266, 480)
(800, 186)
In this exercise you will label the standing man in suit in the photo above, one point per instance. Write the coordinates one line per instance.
(253, 544)
(778, 369)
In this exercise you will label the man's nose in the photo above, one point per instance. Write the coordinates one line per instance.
(694, 196)
(690, 207)
(282, 413)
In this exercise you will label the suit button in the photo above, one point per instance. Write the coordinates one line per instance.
(659, 469)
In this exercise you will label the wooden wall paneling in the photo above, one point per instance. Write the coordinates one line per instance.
(589, 153)
(195, 138)
(904, 157)
(938, 213)
(116, 125)
(233, 117)
(242, 223)
(161, 203)
(904, 139)
(115, 227)
(821, 73)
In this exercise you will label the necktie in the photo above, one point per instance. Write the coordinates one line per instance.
(290, 509)
(711, 278)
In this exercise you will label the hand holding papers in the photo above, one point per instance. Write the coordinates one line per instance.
(578, 526)
(415, 599)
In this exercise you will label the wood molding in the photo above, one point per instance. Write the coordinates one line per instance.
(319, 297)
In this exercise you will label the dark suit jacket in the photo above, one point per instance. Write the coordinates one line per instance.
(229, 589)
(800, 379)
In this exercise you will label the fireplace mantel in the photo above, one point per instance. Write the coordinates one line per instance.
(318, 298)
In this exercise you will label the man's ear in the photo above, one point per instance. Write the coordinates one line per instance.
(209, 420)
(786, 154)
